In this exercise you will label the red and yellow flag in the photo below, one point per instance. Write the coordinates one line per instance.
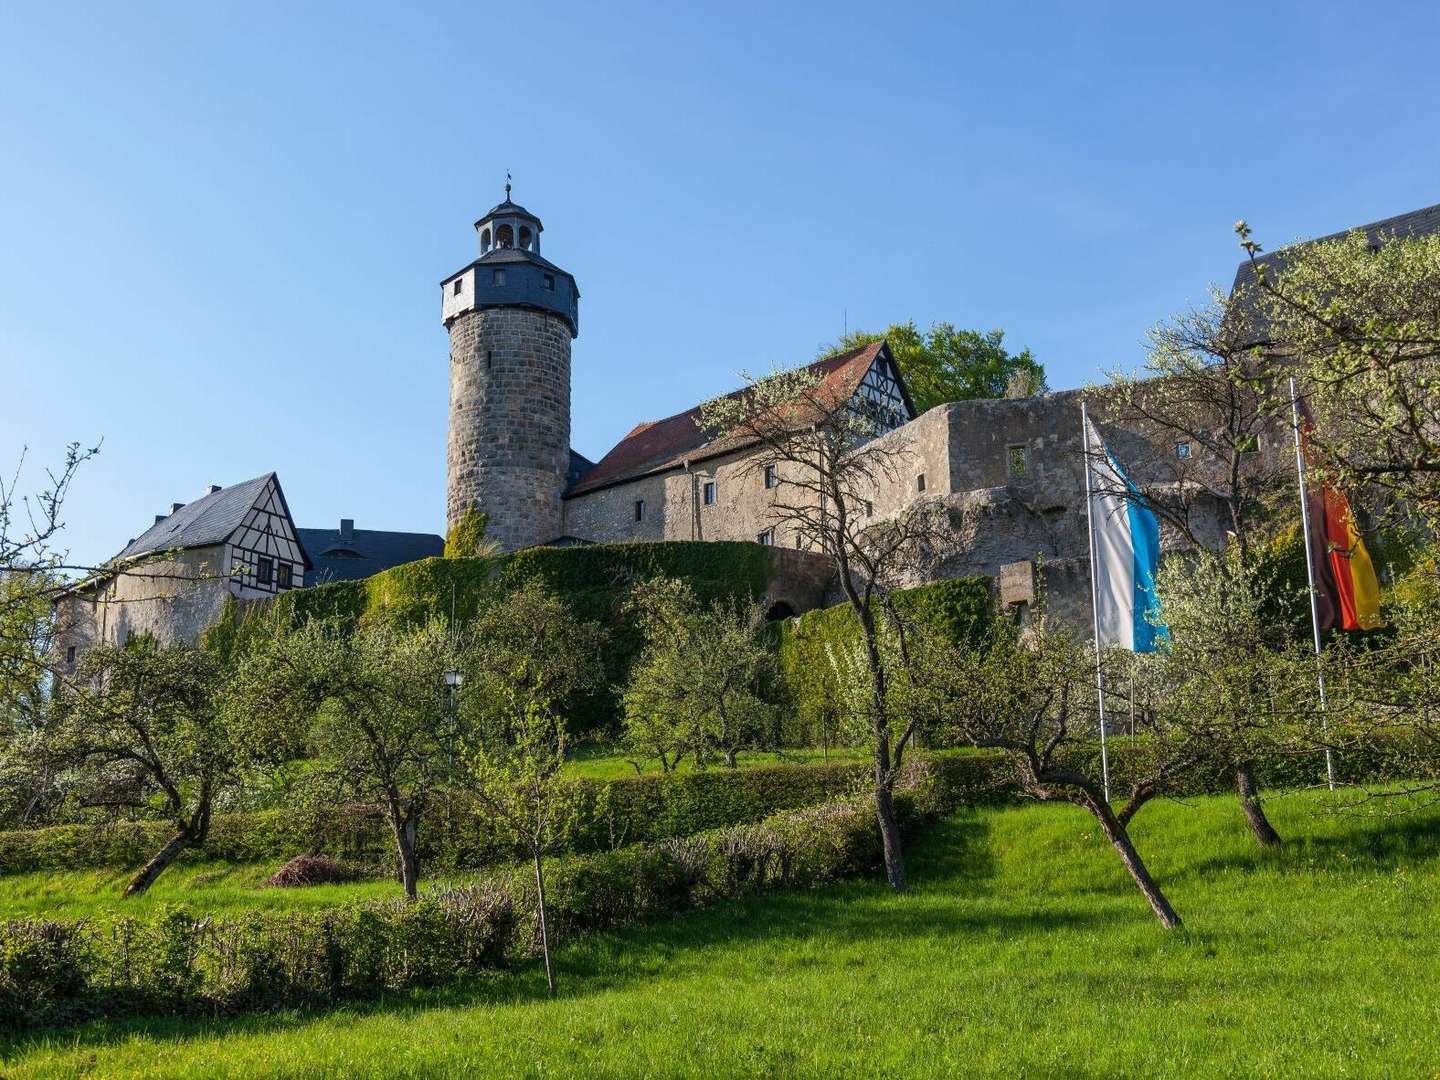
(1347, 591)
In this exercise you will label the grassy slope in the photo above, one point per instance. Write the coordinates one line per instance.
(1022, 950)
(603, 763)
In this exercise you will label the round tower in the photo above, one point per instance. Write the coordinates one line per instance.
(511, 316)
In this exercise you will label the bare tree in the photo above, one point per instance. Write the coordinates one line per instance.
(824, 449)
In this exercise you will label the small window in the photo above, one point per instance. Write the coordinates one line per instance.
(70, 656)
(264, 571)
(459, 284)
(489, 359)
(869, 507)
(1018, 461)
(497, 277)
(920, 482)
(767, 537)
(708, 492)
(550, 282)
(771, 476)
(639, 509)
(283, 578)
(1182, 450)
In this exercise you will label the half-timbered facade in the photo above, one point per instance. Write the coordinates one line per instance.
(173, 581)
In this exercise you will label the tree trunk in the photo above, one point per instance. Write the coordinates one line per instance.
(1265, 834)
(544, 928)
(1120, 837)
(730, 758)
(405, 848)
(156, 866)
(889, 833)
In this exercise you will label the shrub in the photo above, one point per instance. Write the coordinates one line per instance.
(43, 970)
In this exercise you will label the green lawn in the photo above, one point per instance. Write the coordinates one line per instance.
(604, 763)
(1022, 950)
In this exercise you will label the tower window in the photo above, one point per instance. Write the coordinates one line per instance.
(920, 482)
(70, 655)
(767, 538)
(459, 284)
(1017, 461)
(497, 277)
(264, 571)
(708, 492)
(639, 509)
(550, 282)
(771, 477)
(1182, 450)
(284, 578)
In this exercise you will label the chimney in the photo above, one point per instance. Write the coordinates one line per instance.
(347, 528)
(175, 506)
(159, 518)
(212, 489)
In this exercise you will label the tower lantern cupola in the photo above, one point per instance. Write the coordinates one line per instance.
(511, 315)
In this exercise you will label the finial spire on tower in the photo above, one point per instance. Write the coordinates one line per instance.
(507, 185)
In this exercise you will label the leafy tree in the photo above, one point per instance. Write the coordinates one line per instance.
(945, 364)
(467, 539)
(1361, 323)
(696, 687)
(527, 656)
(141, 722)
(1233, 681)
(370, 704)
(829, 464)
(1206, 436)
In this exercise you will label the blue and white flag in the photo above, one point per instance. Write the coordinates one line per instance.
(1125, 537)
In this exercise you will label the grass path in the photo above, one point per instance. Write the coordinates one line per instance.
(1021, 951)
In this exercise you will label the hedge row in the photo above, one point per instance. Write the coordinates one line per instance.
(453, 835)
(55, 973)
(959, 608)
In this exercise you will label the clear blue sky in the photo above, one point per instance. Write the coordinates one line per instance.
(222, 228)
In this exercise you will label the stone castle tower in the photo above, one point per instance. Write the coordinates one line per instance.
(511, 316)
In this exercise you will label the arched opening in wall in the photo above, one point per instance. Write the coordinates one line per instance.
(779, 610)
(484, 241)
(525, 238)
(505, 236)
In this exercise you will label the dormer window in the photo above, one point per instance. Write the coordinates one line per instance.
(459, 284)
(550, 282)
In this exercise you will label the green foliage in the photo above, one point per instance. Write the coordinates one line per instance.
(946, 364)
(467, 539)
(954, 609)
(696, 690)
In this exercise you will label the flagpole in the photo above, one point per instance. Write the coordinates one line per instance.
(1094, 601)
(1310, 579)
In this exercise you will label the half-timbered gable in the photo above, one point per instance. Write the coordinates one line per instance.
(264, 554)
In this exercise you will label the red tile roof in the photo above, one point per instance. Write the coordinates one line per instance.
(661, 445)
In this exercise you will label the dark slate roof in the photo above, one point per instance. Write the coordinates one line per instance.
(513, 255)
(208, 520)
(509, 209)
(363, 552)
(1421, 222)
(579, 466)
(660, 445)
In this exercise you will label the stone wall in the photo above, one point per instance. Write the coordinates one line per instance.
(509, 444)
(1009, 473)
(174, 600)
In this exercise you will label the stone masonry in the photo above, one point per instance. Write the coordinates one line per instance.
(509, 444)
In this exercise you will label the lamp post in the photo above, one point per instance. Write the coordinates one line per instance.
(453, 681)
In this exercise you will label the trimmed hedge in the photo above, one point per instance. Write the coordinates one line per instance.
(453, 835)
(54, 973)
(960, 608)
